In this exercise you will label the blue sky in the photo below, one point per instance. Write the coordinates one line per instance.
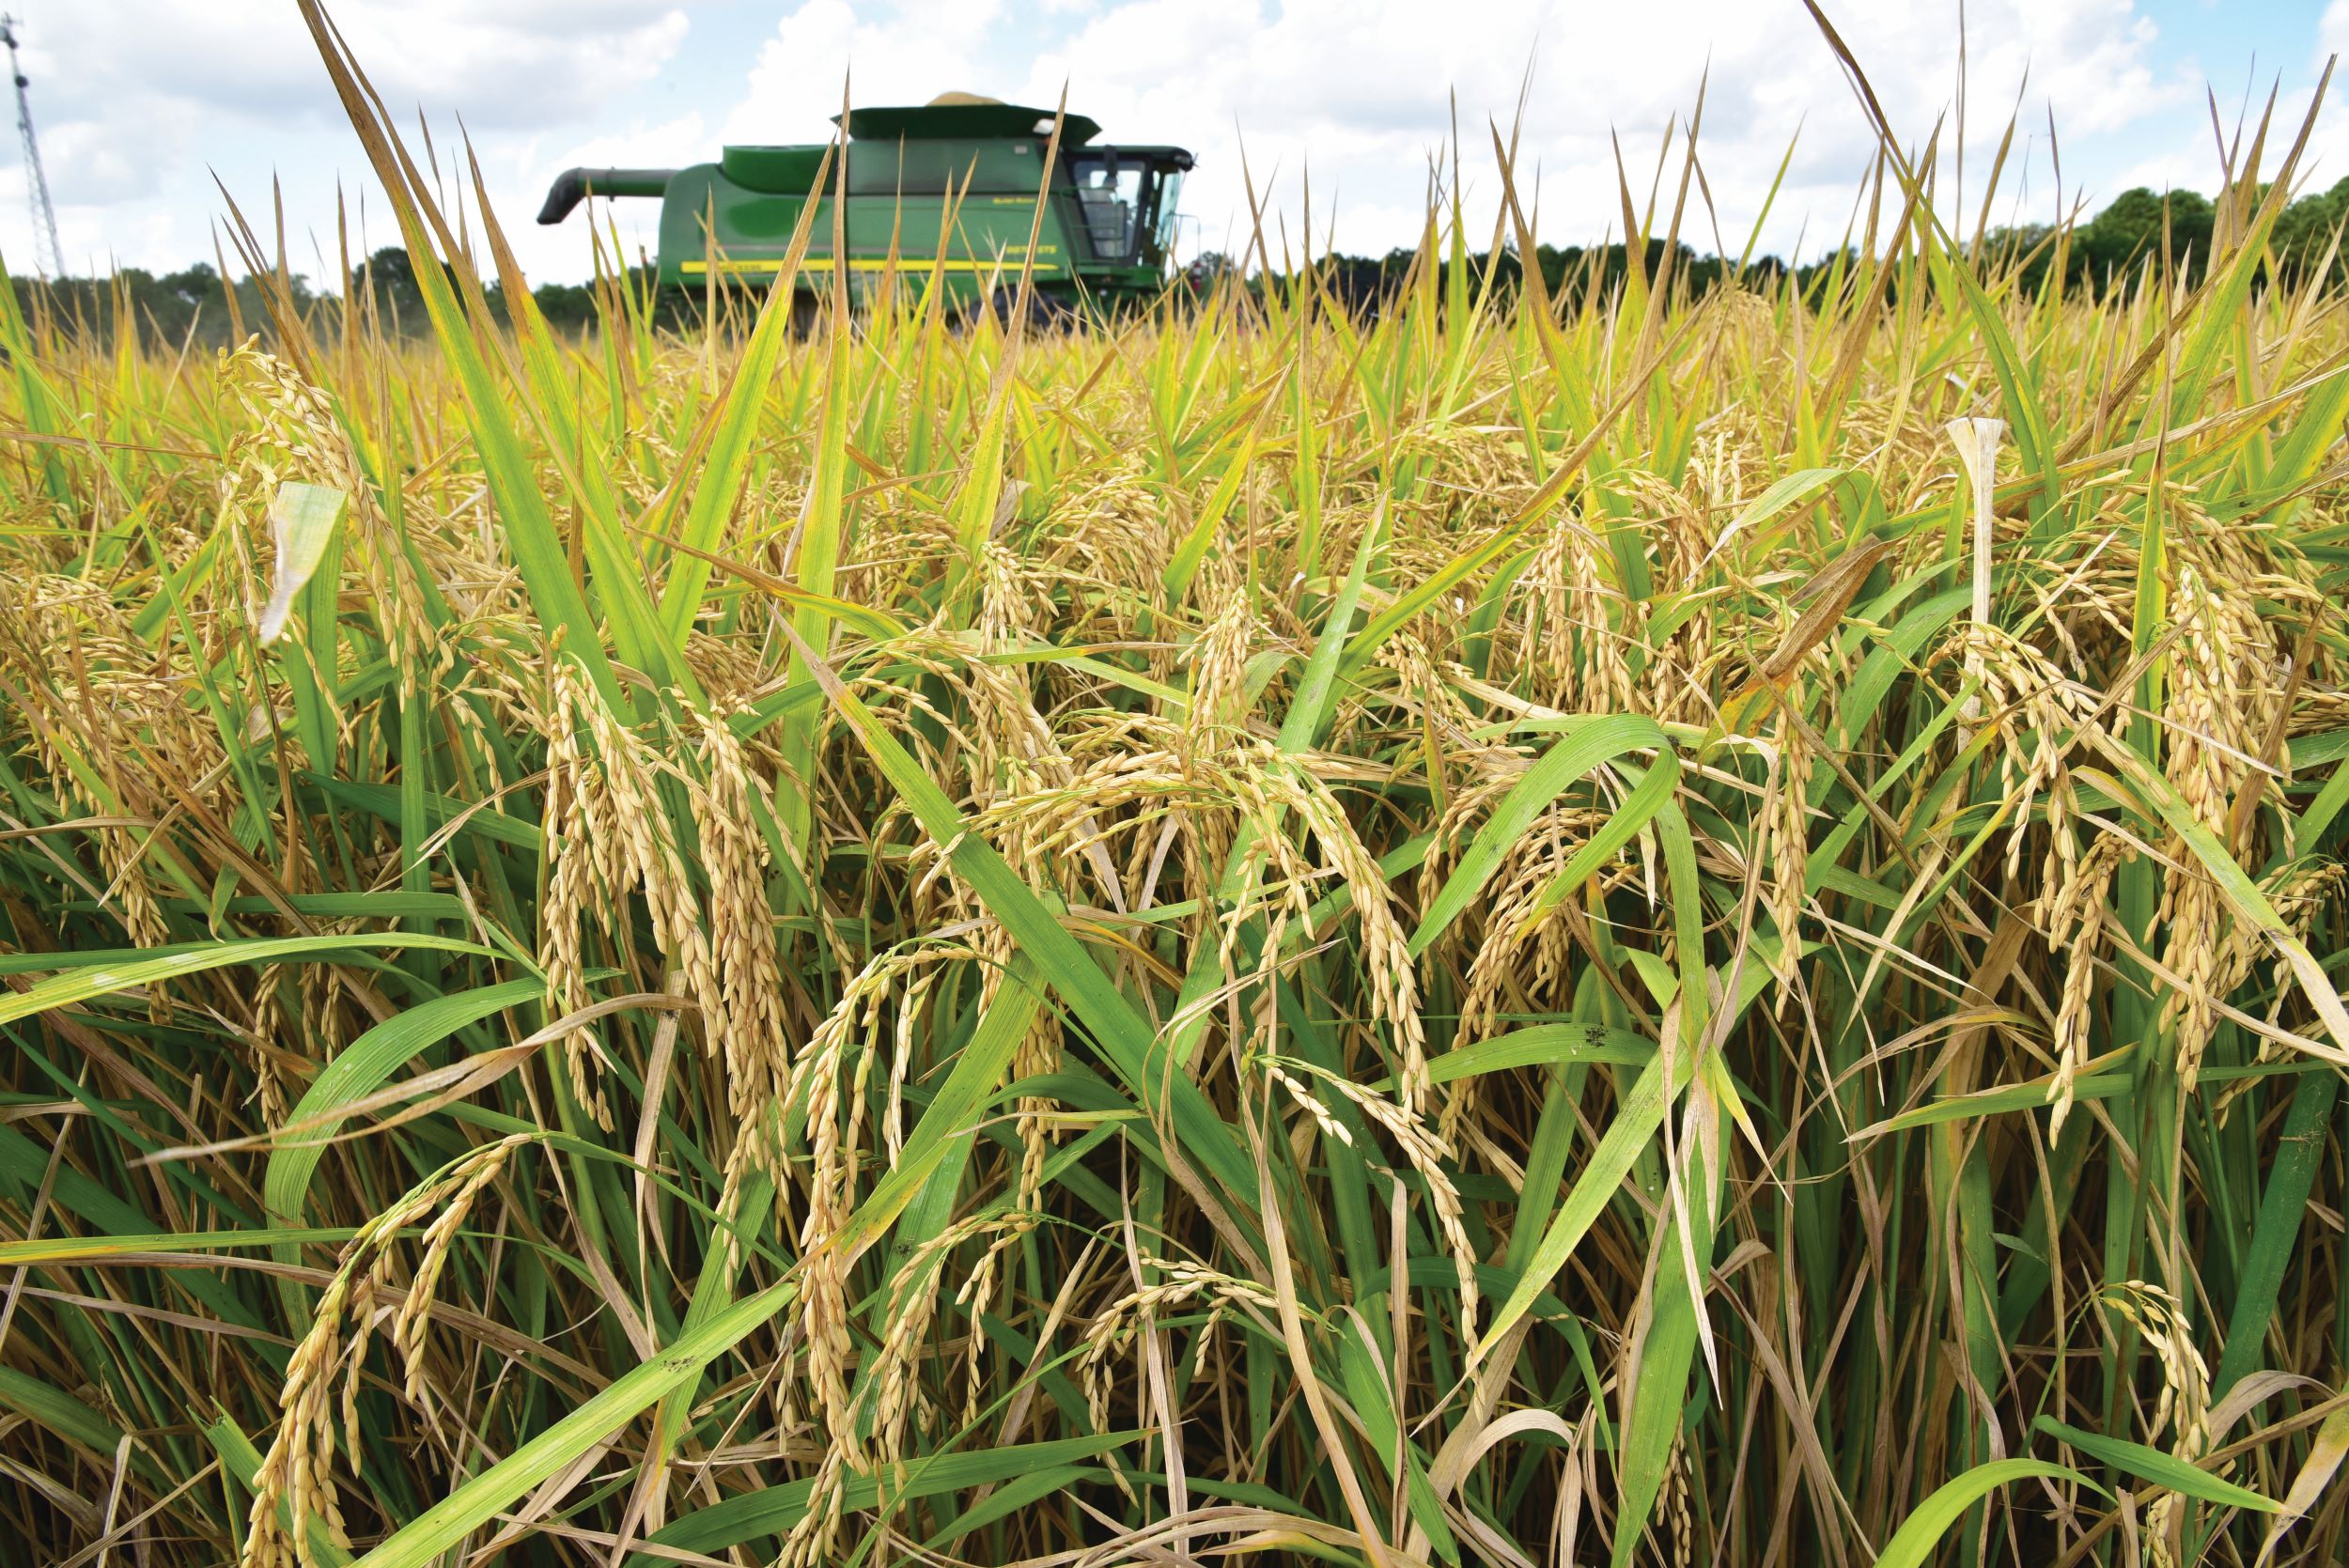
(141, 102)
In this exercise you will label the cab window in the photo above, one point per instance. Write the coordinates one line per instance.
(1112, 194)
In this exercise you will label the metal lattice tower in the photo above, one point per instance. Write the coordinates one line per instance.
(49, 255)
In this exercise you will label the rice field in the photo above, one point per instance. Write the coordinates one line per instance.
(1641, 925)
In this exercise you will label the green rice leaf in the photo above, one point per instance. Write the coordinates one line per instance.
(1913, 1544)
(129, 972)
(2162, 1469)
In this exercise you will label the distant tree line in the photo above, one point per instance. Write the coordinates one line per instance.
(193, 306)
(2142, 224)
(1364, 283)
(190, 304)
(2140, 227)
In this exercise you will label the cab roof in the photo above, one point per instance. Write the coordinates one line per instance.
(965, 118)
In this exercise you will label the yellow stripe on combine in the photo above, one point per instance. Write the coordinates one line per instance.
(910, 265)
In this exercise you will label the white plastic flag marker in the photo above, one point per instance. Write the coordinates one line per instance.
(301, 520)
(1977, 443)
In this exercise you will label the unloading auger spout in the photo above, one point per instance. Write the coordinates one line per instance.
(573, 186)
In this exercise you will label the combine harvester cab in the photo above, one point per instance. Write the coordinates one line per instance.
(1107, 235)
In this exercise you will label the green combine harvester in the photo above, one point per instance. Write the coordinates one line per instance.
(1107, 235)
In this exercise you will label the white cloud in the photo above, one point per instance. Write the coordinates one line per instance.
(908, 53)
(1365, 91)
(134, 101)
(500, 62)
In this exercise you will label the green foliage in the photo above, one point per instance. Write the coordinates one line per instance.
(1521, 923)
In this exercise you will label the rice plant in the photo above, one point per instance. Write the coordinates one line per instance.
(1636, 926)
